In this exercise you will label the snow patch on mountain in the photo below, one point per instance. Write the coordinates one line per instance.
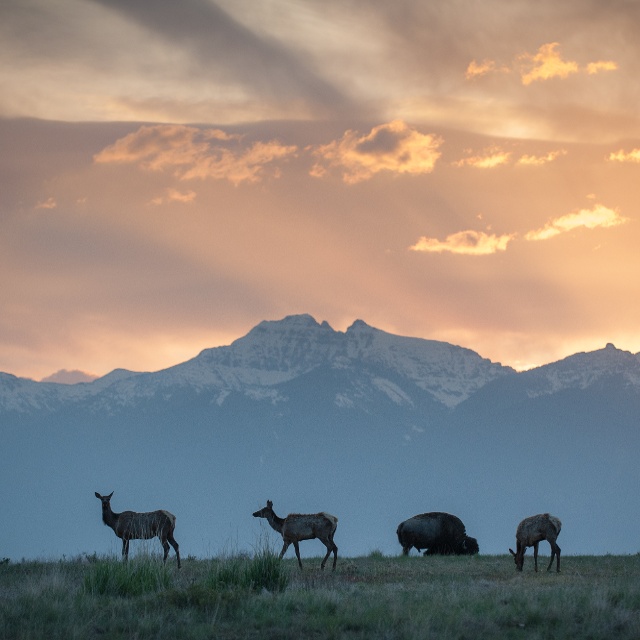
(393, 391)
(582, 370)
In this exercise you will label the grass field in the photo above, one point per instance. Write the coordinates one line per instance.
(367, 597)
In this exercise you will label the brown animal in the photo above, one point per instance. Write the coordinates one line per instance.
(530, 532)
(130, 525)
(296, 527)
(438, 533)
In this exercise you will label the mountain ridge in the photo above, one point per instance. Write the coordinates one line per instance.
(367, 425)
(276, 351)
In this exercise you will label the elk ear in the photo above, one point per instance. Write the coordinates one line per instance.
(109, 496)
(98, 496)
(512, 553)
(269, 504)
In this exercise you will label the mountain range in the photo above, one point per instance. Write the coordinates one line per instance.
(367, 425)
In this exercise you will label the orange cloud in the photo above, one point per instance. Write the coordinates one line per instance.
(479, 243)
(625, 156)
(393, 147)
(477, 69)
(50, 203)
(173, 195)
(492, 157)
(475, 243)
(603, 65)
(194, 153)
(177, 196)
(545, 64)
(239, 167)
(540, 160)
(597, 217)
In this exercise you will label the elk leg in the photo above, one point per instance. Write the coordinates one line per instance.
(329, 550)
(535, 555)
(297, 548)
(125, 548)
(335, 554)
(285, 546)
(165, 546)
(555, 551)
(176, 547)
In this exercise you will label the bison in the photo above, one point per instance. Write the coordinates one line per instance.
(437, 533)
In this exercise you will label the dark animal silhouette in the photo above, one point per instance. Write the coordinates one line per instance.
(297, 526)
(438, 533)
(529, 534)
(130, 525)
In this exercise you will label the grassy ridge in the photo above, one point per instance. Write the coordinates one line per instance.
(369, 597)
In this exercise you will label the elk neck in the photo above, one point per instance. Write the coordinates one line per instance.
(109, 517)
(275, 522)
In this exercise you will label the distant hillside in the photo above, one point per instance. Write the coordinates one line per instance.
(367, 425)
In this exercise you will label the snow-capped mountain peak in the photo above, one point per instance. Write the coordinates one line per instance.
(369, 363)
(582, 370)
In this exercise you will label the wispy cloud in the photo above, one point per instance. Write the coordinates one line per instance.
(480, 243)
(478, 69)
(602, 65)
(173, 195)
(488, 159)
(598, 216)
(545, 64)
(190, 152)
(530, 160)
(394, 147)
(625, 156)
(474, 243)
(49, 203)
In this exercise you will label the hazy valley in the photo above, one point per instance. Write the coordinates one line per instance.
(369, 426)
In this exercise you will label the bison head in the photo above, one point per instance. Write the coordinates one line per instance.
(470, 546)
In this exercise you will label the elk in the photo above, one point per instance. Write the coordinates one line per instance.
(297, 526)
(130, 525)
(530, 532)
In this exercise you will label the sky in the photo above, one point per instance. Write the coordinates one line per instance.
(174, 173)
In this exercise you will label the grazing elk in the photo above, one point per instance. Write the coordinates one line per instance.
(130, 525)
(297, 526)
(438, 533)
(530, 532)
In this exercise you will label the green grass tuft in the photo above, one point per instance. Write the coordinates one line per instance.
(133, 578)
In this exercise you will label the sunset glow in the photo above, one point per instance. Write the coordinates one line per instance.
(178, 172)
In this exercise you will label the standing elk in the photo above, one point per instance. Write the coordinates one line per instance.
(529, 534)
(438, 533)
(130, 525)
(297, 526)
